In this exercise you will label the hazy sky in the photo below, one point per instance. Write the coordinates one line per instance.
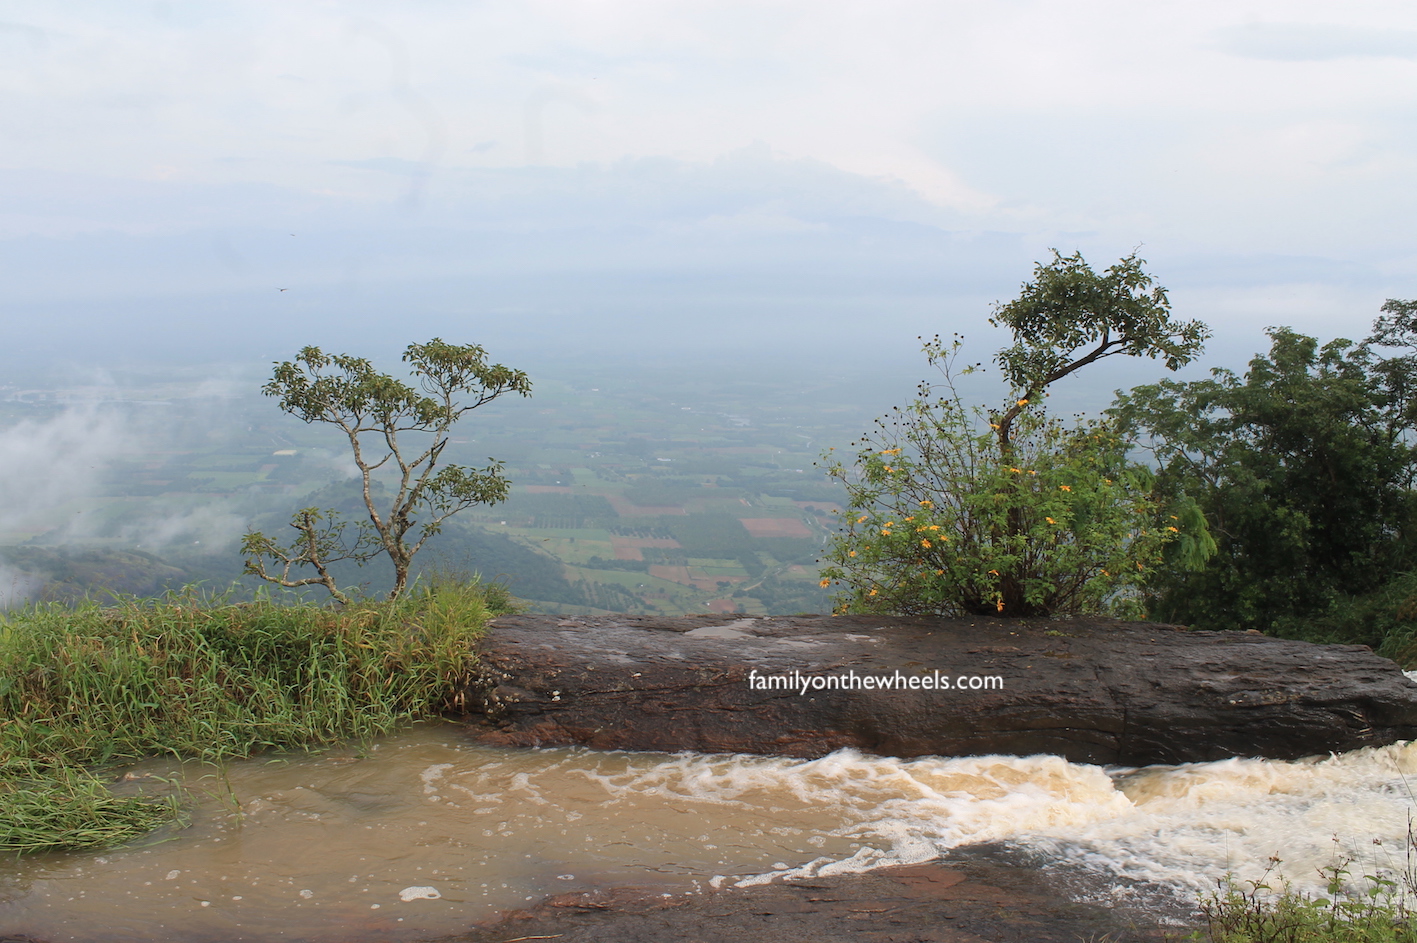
(824, 179)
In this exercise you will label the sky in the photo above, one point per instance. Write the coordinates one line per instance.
(818, 182)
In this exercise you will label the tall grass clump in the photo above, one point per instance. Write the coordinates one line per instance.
(88, 687)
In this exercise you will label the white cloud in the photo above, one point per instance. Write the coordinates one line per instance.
(1316, 42)
(165, 154)
(48, 468)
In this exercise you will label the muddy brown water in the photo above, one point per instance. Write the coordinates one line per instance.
(424, 833)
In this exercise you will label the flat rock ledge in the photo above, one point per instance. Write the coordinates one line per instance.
(1092, 691)
(984, 894)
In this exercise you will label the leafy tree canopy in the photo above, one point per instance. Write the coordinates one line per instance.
(373, 410)
(1303, 469)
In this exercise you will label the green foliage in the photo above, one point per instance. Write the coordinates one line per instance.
(91, 686)
(1376, 913)
(937, 523)
(373, 409)
(1302, 470)
(953, 509)
(1069, 317)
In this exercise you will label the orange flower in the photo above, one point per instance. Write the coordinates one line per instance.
(1050, 520)
(1001, 605)
(871, 593)
(926, 544)
(1065, 487)
(852, 553)
(826, 583)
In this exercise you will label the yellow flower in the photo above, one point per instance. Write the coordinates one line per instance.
(995, 572)
(826, 583)
(927, 504)
(1001, 605)
(886, 532)
(871, 593)
(939, 572)
(1065, 487)
(851, 553)
(1023, 402)
(861, 519)
(934, 526)
(911, 518)
(1050, 520)
(1173, 530)
(1016, 471)
(926, 544)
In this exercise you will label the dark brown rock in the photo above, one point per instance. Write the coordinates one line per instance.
(1092, 691)
(979, 895)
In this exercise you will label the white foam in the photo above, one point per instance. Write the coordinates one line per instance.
(1184, 826)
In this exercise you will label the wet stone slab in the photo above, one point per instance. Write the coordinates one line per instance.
(1092, 691)
(986, 894)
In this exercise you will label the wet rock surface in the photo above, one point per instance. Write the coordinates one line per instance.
(1092, 691)
(981, 895)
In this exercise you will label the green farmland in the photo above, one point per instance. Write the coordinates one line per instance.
(630, 493)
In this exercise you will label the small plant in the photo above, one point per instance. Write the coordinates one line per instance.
(1376, 913)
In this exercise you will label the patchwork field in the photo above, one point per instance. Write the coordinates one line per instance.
(655, 495)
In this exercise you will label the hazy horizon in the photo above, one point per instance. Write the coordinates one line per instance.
(725, 197)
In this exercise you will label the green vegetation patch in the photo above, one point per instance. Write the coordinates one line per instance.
(87, 687)
(1379, 912)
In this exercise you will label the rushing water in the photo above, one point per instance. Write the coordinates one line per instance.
(423, 833)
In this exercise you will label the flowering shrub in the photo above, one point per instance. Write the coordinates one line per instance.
(943, 520)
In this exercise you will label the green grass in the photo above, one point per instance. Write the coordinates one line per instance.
(85, 688)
